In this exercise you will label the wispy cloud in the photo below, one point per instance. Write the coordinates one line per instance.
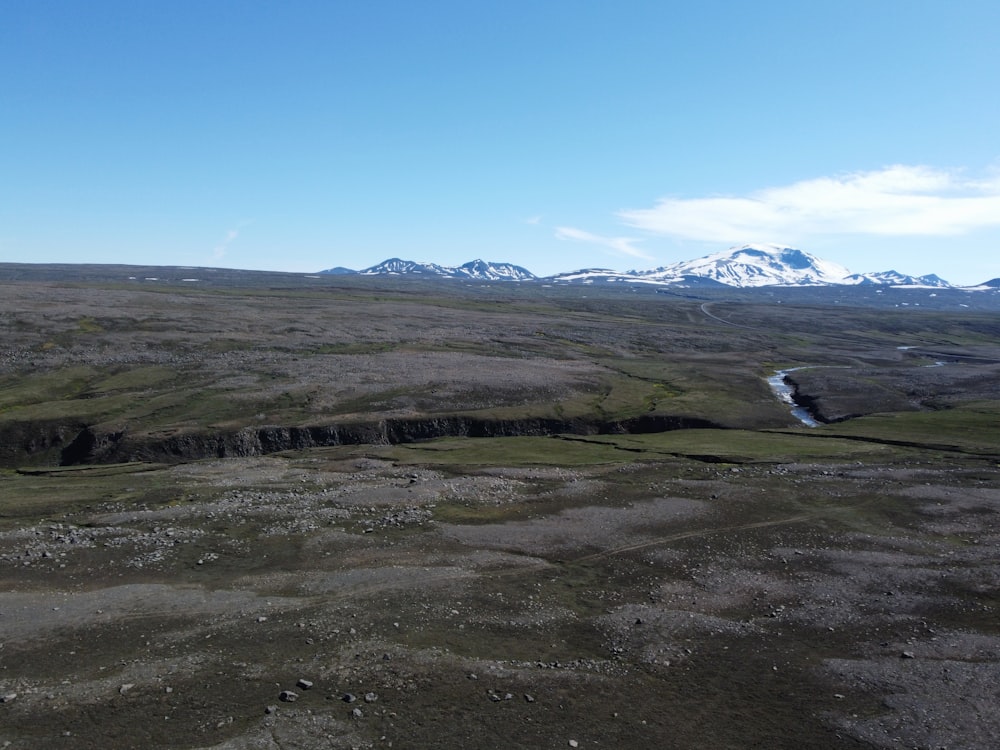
(621, 245)
(533, 220)
(896, 201)
(219, 251)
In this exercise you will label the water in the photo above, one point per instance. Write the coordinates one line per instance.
(786, 393)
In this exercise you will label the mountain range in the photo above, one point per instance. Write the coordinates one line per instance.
(745, 266)
(478, 270)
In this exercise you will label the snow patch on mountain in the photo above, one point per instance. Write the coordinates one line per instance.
(490, 271)
(592, 275)
(753, 265)
(894, 278)
(760, 265)
(477, 270)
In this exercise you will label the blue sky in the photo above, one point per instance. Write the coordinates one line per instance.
(558, 135)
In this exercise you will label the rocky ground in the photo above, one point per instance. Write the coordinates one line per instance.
(592, 580)
(350, 598)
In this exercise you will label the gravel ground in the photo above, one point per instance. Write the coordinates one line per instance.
(679, 605)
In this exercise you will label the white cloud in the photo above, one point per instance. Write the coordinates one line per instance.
(896, 201)
(219, 251)
(622, 245)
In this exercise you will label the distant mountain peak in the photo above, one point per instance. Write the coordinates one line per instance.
(758, 265)
(488, 270)
(895, 278)
(752, 265)
(474, 270)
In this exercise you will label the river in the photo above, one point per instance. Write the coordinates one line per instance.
(786, 393)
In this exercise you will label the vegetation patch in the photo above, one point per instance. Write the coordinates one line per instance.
(969, 428)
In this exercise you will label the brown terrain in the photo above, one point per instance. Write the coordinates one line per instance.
(263, 511)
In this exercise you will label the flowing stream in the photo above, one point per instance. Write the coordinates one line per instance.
(786, 393)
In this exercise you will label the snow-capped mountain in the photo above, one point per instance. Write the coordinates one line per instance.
(894, 278)
(481, 269)
(398, 267)
(745, 266)
(478, 270)
(759, 265)
(752, 266)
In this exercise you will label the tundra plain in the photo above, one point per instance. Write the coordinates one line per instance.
(248, 510)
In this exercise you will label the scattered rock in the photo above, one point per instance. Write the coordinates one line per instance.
(9, 697)
(529, 698)
(907, 655)
(270, 709)
(126, 687)
(304, 684)
(349, 698)
(288, 696)
(357, 713)
(370, 697)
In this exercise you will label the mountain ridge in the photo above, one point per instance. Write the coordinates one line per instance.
(752, 265)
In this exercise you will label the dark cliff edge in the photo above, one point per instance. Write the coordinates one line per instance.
(90, 446)
(38, 441)
(809, 403)
(848, 397)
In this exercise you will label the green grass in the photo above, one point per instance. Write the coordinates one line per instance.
(69, 410)
(631, 396)
(147, 398)
(717, 391)
(970, 428)
(721, 390)
(31, 495)
(97, 470)
(743, 446)
(65, 383)
(723, 446)
(140, 378)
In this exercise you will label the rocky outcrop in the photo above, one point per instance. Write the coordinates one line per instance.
(90, 446)
(33, 442)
